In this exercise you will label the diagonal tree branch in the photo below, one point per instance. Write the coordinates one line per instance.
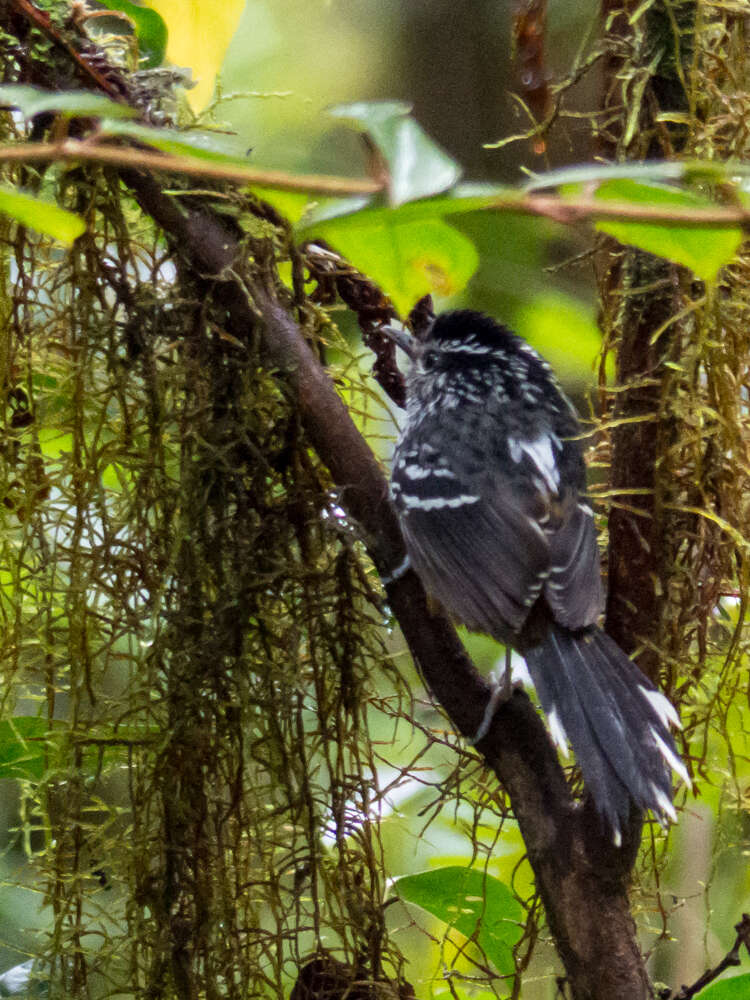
(581, 876)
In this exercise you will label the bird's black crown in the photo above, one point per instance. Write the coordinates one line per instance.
(461, 325)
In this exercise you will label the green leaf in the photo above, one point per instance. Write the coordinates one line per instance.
(150, 30)
(479, 906)
(44, 216)
(736, 988)
(71, 103)
(213, 146)
(704, 249)
(55, 442)
(22, 747)
(409, 250)
(417, 166)
(407, 259)
(291, 204)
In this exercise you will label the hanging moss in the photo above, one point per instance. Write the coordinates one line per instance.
(678, 418)
(187, 615)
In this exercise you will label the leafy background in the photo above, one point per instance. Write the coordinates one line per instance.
(281, 67)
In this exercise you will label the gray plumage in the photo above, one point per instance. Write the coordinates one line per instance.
(488, 479)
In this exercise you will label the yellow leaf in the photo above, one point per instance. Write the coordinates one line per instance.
(199, 36)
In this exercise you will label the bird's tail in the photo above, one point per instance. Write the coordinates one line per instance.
(596, 698)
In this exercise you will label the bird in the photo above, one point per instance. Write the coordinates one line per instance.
(489, 482)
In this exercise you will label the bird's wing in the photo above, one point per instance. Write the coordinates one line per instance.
(553, 467)
(488, 537)
(473, 539)
(573, 588)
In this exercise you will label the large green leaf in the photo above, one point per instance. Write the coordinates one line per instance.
(216, 147)
(70, 103)
(407, 259)
(704, 249)
(736, 988)
(42, 215)
(417, 167)
(479, 906)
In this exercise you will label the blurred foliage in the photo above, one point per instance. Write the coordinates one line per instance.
(44, 216)
(214, 750)
(198, 37)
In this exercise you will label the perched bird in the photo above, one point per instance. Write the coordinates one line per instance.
(489, 482)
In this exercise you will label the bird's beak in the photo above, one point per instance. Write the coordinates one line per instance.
(401, 337)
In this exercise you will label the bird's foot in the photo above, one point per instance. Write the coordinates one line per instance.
(501, 690)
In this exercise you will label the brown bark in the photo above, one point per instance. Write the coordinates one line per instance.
(636, 550)
(581, 876)
(639, 294)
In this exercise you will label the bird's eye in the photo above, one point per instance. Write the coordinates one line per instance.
(429, 360)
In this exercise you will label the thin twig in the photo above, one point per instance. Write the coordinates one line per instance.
(569, 210)
(193, 166)
(732, 958)
(564, 210)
